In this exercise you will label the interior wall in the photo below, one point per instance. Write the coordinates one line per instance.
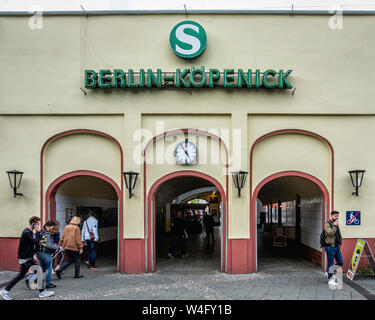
(311, 222)
(64, 202)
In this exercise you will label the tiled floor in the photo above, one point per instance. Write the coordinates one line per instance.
(203, 257)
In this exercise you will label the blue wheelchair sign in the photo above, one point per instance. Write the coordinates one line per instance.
(353, 218)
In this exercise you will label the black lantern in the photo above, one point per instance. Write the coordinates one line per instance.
(130, 181)
(356, 176)
(15, 178)
(239, 178)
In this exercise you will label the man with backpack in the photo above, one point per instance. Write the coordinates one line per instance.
(331, 239)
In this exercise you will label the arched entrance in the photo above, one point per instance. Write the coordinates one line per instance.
(150, 223)
(112, 218)
(278, 188)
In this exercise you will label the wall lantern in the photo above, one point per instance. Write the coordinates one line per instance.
(356, 176)
(130, 181)
(239, 178)
(15, 178)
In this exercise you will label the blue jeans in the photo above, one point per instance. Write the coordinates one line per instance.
(45, 262)
(333, 253)
(92, 253)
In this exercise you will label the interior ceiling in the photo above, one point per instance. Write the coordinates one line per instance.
(286, 188)
(171, 189)
(87, 187)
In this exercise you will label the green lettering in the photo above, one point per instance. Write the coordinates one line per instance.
(131, 83)
(202, 74)
(90, 79)
(214, 75)
(119, 76)
(151, 78)
(265, 81)
(242, 78)
(141, 78)
(257, 78)
(282, 79)
(228, 78)
(180, 78)
(105, 79)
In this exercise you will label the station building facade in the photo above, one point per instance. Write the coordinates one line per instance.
(88, 97)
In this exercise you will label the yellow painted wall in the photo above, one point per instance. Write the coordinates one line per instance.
(41, 96)
(353, 144)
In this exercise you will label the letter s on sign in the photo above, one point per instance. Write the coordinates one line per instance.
(183, 37)
(188, 39)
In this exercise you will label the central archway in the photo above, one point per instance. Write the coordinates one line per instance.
(150, 249)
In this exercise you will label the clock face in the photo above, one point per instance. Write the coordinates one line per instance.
(186, 152)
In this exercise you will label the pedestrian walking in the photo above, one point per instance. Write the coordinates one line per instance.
(91, 237)
(209, 224)
(59, 258)
(73, 247)
(30, 239)
(46, 250)
(178, 236)
(333, 241)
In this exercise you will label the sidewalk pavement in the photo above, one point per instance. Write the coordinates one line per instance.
(104, 283)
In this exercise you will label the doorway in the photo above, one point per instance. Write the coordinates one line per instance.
(290, 213)
(76, 196)
(196, 196)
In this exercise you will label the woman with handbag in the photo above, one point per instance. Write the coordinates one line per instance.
(91, 237)
(73, 246)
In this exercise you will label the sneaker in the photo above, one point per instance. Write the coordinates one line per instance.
(77, 277)
(184, 256)
(5, 295)
(50, 286)
(170, 256)
(45, 294)
(332, 282)
(93, 267)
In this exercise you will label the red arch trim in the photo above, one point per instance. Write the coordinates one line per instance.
(53, 187)
(298, 131)
(254, 197)
(67, 133)
(191, 131)
(151, 198)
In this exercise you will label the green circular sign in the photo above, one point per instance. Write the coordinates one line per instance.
(188, 39)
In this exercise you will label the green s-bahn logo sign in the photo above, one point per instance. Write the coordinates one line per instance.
(188, 39)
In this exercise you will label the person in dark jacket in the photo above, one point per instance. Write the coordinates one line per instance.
(333, 241)
(209, 224)
(179, 235)
(46, 250)
(30, 240)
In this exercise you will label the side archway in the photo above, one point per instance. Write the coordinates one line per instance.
(325, 209)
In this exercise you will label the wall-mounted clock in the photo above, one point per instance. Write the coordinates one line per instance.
(186, 152)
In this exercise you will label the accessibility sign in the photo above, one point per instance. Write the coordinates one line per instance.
(353, 218)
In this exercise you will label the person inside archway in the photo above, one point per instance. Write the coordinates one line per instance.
(178, 235)
(91, 237)
(73, 246)
(209, 224)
